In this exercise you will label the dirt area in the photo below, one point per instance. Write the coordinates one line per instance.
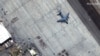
(93, 10)
(15, 51)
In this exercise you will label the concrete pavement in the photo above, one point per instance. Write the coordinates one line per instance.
(38, 18)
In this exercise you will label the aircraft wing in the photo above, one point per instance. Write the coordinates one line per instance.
(67, 16)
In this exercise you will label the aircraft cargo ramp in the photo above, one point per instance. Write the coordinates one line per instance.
(36, 21)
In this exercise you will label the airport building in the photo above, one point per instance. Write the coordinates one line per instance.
(5, 37)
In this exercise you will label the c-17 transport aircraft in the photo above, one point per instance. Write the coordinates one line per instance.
(63, 18)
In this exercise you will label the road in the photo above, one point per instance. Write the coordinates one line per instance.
(85, 19)
(28, 19)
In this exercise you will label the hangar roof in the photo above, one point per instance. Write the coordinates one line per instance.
(4, 34)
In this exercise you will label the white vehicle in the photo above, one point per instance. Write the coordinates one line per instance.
(33, 52)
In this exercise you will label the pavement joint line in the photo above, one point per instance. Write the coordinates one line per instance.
(42, 34)
(23, 4)
(50, 29)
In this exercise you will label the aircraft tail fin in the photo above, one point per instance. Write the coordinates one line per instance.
(59, 20)
(66, 22)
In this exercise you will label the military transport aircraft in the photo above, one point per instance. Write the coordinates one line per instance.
(63, 18)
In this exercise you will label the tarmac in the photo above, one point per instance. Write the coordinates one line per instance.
(90, 17)
(35, 21)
